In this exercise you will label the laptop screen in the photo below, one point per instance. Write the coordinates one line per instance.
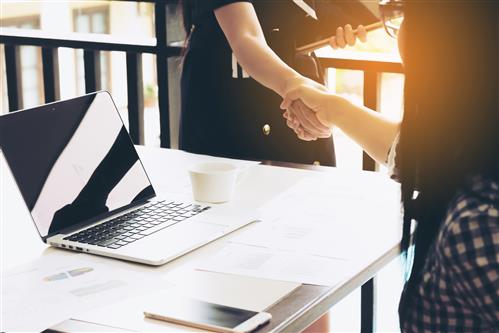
(73, 161)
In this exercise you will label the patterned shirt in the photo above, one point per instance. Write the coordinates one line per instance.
(459, 289)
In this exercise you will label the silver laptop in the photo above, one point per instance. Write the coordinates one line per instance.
(86, 188)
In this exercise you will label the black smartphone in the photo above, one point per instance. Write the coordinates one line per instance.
(208, 316)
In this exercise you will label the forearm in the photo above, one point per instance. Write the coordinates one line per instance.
(262, 64)
(374, 132)
(242, 29)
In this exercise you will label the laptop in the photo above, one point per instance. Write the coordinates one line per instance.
(87, 190)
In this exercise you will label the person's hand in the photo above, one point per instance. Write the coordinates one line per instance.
(324, 104)
(304, 122)
(346, 36)
(292, 103)
(301, 119)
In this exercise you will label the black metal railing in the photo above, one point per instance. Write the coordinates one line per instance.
(92, 45)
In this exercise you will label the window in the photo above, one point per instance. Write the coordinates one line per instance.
(31, 64)
(92, 20)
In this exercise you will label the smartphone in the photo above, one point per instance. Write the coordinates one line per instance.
(208, 316)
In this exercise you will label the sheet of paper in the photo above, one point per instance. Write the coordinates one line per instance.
(264, 263)
(321, 197)
(299, 236)
(47, 291)
(313, 219)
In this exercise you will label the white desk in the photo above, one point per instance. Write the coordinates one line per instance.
(261, 184)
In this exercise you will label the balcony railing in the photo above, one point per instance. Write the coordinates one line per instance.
(92, 45)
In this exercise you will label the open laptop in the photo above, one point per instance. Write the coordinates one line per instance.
(86, 188)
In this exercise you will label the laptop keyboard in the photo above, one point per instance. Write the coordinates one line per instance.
(142, 222)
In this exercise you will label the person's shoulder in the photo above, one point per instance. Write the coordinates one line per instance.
(479, 199)
(471, 228)
(214, 4)
(202, 9)
(469, 249)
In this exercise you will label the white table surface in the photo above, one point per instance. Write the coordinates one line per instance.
(20, 242)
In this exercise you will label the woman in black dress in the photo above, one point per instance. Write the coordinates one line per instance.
(227, 106)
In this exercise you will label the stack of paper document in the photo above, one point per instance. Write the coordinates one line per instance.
(312, 234)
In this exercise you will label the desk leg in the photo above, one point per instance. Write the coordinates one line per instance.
(368, 306)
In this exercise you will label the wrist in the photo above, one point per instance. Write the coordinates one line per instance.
(293, 80)
(338, 108)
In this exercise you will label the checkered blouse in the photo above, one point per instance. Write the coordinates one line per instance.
(459, 290)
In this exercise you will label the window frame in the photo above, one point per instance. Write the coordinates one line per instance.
(89, 11)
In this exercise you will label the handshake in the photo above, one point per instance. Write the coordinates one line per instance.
(309, 109)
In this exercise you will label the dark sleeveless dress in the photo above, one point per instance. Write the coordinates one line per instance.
(227, 113)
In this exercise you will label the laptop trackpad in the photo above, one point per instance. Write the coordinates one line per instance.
(176, 239)
(227, 216)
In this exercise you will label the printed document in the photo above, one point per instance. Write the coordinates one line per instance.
(259, 262)
(315, 233)
(50, 290)
(312, 218)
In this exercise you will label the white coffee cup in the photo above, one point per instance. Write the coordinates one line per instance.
(213, 182)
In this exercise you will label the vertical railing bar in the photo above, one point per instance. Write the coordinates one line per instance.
(51, 84)
(368, 306)
(162, 73)
(368, 289)
(14, 77)
(370, 101)
(325, 73)
(91, 60)
(135, 88)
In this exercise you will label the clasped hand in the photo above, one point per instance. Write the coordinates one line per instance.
(306, 112)
(301, 117)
